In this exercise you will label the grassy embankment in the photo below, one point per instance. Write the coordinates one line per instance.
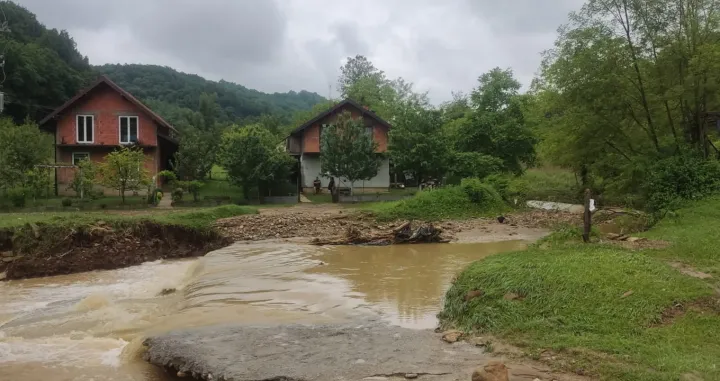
(603, 310)
(471, 199)
(201, 218)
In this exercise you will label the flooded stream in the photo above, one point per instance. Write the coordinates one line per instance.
(90, 326)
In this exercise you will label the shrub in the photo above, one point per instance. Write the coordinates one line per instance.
(177, 195)
(480, 193)
(84, 179)
(66, 202)
(18, 196)
(193, 187)
(676, 179)
(471, 199)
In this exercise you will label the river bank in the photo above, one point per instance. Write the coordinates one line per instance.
(642, 312)
(39, 245)
(43, 245)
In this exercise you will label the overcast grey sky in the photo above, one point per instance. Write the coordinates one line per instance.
(282, 45)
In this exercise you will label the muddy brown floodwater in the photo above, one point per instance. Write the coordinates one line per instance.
(90, 326)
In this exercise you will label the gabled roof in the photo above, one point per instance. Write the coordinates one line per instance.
(338, 106)
(104, 79)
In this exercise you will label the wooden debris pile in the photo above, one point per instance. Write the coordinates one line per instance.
(404, 233)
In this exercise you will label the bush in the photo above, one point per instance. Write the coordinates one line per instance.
(177, 195)
(471, 199)
(679, 178)
(480, 193)
(193, 187)
(18, 196)
(66, 202)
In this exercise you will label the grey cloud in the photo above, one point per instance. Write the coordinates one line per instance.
(214, 33)
(524, 16)
(350, 38)
(282, 45)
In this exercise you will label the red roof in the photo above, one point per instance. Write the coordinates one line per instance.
(104, 79)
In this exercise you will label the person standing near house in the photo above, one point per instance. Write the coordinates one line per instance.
(317, 184)
(331, 185)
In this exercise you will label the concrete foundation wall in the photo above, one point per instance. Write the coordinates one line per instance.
(310, 167)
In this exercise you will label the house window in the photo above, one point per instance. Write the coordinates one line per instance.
(77, 156)
(85, 125)
(128, 129)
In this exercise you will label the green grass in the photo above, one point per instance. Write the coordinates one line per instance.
(220, 188)
(693, 230)
(546, 184)
(452, 202)
(573, 301)
(55, 204)
(197, 218)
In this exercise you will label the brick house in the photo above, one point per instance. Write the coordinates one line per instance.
(304, 144)
(100, 119)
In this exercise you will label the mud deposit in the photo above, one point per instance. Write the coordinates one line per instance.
(321, 352)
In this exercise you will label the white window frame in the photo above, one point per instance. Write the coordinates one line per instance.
(128, 126)
(77, 128)
(79, 153)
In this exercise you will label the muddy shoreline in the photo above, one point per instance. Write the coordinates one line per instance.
(45, 250)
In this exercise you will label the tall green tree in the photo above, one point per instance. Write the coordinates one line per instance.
(124, 170)
(357, 69)
(418, 144)
(629, 84)
(495, 126)
(348, 150)
(253, 159)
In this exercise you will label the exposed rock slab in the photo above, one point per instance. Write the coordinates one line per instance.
(325, 352)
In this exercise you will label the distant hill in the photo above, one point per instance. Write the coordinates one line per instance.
(43, 67)
(169, 91)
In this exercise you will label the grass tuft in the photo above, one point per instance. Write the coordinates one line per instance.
(471, 199)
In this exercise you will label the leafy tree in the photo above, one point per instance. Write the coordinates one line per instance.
(196, 155)
(84, 179)
(252, 157)
(357, 69)
(496, 125)
(22, 147)
(124, 170)
(348, 150)
(474, 164)
(418, 144)
(629, 84)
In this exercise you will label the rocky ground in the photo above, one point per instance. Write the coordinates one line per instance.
(329, 223)
(332, 352)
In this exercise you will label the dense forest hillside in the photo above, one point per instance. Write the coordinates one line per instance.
(164, 87)
(43, 68)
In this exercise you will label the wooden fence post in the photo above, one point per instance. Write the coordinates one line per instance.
(587, 217)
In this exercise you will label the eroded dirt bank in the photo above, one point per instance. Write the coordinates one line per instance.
(45, 250)
(324, 352)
